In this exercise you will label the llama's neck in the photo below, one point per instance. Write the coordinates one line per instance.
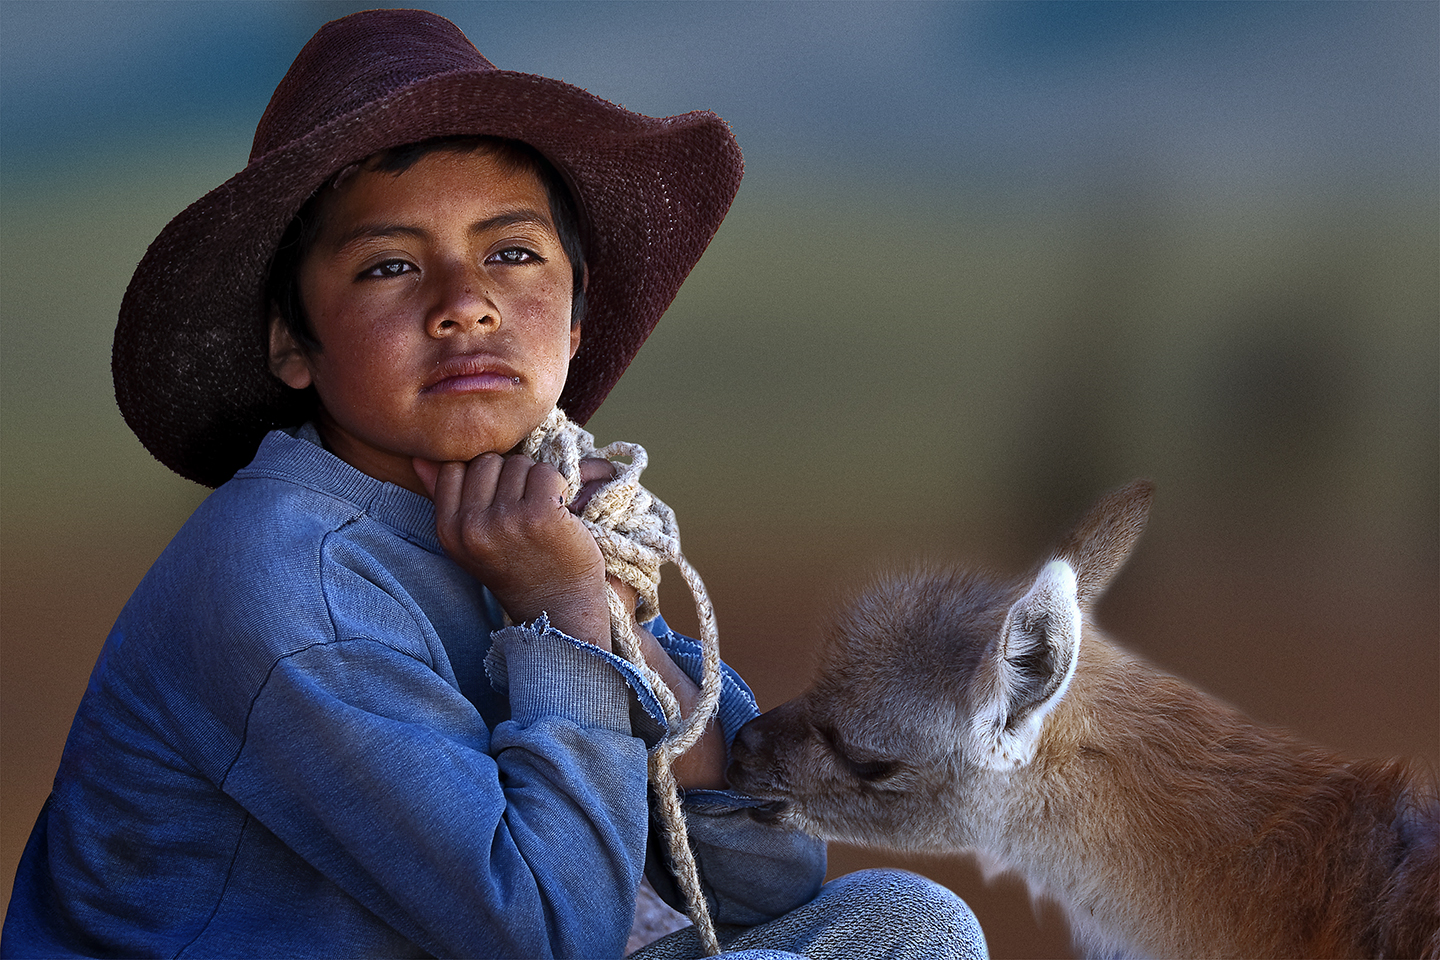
(1148, 800)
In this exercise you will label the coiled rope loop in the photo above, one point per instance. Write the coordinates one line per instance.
(637, 534)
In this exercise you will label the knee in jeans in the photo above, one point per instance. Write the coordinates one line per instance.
(903, 900)
(899, 889)
(877, 913)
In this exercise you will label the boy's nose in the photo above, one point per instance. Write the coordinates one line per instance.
(462, 304)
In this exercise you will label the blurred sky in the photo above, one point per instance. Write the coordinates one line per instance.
(1210, 90)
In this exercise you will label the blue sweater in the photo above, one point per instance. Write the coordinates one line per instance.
(311, 734)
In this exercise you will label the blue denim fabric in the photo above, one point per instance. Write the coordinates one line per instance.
(866, 915)
(290, 747)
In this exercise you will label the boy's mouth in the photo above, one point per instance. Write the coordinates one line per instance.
(470, 373)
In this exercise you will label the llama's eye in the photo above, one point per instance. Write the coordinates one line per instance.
(871, 771)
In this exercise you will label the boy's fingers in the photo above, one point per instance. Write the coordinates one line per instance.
(510, 482)
(594, 468)
(594, 474)
(479, 483)
(427, 471)
(544, 484)
(445, 490)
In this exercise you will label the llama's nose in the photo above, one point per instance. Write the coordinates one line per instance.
(754, 748)
(745, 750)
(755, 737)
(752, 768)
(772, 733)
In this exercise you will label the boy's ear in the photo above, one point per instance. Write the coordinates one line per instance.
(287, 360)
(575, 327)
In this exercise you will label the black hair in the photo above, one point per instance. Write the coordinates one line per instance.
(282, 283)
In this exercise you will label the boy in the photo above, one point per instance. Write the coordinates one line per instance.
(311, 730)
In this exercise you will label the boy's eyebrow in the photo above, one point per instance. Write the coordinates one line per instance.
(379, 229)
(512, 218)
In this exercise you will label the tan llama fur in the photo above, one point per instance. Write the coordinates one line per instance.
(956, 713)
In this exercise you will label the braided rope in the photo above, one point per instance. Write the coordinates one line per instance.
(637, 534)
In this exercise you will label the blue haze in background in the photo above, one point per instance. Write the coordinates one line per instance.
(1010, 90)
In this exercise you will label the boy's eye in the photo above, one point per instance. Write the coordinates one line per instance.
(390, 268)
(514, 255)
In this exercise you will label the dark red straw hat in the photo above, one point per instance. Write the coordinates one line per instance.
(190, 358)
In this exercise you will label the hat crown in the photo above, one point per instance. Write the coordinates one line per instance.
(358, 60)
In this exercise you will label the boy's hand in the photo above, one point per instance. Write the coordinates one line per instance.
(504, 520)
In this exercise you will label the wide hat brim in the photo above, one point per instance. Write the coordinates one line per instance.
(190, 357)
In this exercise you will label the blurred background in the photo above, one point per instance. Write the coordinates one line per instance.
(989, 261)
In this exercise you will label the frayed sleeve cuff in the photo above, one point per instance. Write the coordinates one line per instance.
(548, 674)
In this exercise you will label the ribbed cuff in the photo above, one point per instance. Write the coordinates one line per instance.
(548, 674)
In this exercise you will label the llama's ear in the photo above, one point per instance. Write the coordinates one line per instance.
(1101, 542)
(1033, 663)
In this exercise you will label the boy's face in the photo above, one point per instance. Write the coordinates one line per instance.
(441, 300)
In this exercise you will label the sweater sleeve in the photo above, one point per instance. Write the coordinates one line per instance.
(527, 840)
(751, 871)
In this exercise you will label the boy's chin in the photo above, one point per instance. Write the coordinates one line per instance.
(465, 452)
(462, 442)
